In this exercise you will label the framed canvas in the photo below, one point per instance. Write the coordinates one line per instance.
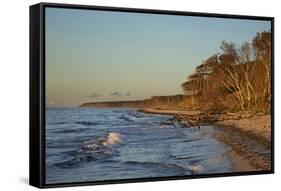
(122, 95)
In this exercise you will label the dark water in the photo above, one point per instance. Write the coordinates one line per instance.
(105, 144)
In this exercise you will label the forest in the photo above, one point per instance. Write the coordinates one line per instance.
(239, 78)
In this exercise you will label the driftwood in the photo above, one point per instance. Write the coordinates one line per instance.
(186, 121)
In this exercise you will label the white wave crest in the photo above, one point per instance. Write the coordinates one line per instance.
(113, 138)
(195, 169)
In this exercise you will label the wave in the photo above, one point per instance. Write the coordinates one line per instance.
(95, 149)
(76, 130)
(183, 157)
(157, 167)
(147, 163)
(195, 169)
(79, 159)
(99, 144)
(136, 114)
(113, 138)
(191, 140)
(87, 123)
(58, 123)
(126, 118)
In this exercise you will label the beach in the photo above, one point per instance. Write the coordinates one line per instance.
(249, 136)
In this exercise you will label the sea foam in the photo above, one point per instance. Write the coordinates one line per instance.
(113, 138)
(195, 169)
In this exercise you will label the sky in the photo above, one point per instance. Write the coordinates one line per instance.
(96, 56)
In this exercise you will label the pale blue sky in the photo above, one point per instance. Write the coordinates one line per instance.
(104, 56)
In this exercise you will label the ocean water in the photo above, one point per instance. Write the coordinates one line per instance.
(88, 144)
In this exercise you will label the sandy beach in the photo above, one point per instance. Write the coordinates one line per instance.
(260, 126)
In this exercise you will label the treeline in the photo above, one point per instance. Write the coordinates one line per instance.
(239, 78)
(160, 102)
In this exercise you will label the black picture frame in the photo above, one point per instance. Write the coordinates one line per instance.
(37, 93)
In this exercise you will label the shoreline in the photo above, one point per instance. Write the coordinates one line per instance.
(248, 137)
(256, 125)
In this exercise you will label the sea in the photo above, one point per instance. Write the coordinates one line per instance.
(100, 144)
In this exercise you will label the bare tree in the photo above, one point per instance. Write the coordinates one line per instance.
(262, 49)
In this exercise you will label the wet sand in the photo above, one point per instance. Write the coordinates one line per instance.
(246, 151)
